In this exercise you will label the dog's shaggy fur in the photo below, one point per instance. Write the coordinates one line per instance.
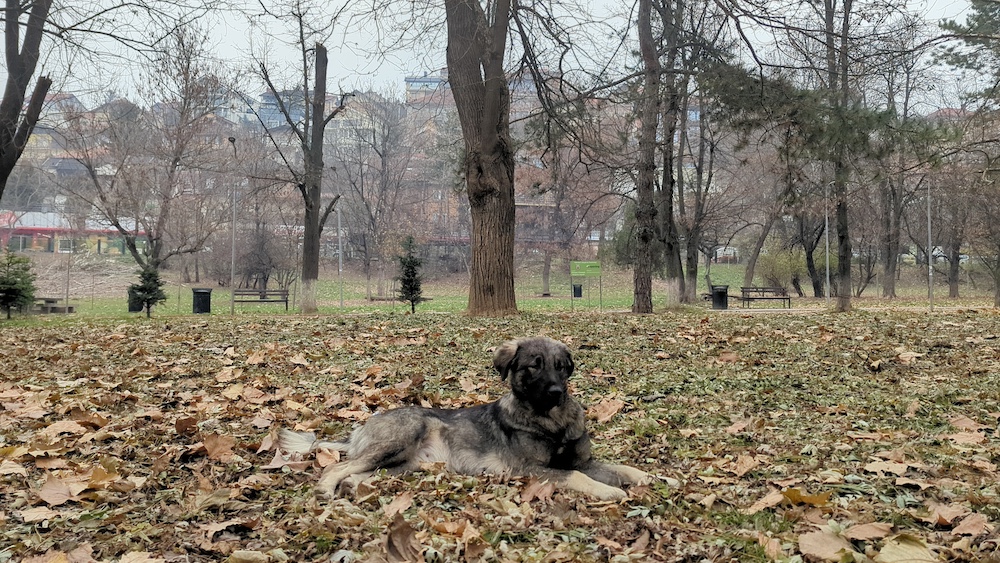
(536, 429)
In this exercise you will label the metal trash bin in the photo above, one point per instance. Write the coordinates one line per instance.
(577, 290)
(201, 300)
(720, 296)
(134, 303)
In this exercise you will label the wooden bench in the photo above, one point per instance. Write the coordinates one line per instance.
(751, 294)
(261, 296)
(46, 305)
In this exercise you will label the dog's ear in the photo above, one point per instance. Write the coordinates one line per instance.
(504, 358)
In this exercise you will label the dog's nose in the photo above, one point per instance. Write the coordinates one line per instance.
(555, 392)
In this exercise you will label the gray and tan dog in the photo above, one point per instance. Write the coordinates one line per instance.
(536, 429)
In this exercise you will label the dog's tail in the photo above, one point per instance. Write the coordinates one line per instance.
(290, 441)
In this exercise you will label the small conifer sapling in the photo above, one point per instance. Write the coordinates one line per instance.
(409, 274)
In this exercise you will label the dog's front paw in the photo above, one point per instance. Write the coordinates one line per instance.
(633, 476)
(607, 492)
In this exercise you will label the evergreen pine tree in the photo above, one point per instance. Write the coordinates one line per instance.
(149, 290)
(409, 274)
(17, 282)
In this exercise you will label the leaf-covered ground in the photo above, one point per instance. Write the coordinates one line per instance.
(776, 436)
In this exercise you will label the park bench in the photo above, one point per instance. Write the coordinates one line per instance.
(751, 294)
(45, 305)
(261, 296)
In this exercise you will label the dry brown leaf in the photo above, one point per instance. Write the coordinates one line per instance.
(912, 410)
(55, 491)
(881, 467)
(728, 357)
(606, 409)
(905, 548)
(870, 531)
(8, 467)
(37, 514)
(771, 500)
(140, 557)
(967, 437)
(63, 427)
(824, 545)
(963, 422)
(401, 544)
(219, 447)
(973, 525)
(903, 482)
(399, 504)
(535, 489)
(772, 547)
(48, 557)
(944, 514)
(796, 496)
(744, 464)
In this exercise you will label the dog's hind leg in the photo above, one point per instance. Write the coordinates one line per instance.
(347, 473)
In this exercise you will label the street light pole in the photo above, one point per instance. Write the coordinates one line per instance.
(232, 245)
(930, 254)
(340, 258)
(826, 234)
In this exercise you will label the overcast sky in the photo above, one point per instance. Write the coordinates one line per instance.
(352, 66)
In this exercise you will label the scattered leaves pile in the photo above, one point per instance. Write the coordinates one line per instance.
(819, 437)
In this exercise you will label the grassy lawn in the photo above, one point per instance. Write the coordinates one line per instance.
(798, 435)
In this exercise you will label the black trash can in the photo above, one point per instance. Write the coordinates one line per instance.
(577, 290)
(134, 303)
(720, 296)
(202, 300)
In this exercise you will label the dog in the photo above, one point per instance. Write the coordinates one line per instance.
(537, 429)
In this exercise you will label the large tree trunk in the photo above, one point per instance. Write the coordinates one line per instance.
(645, 209)
(21, 61)
(312, 221)
(479, 85)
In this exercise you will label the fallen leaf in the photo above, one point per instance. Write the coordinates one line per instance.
(772, 547)
(401, 544)
(796, 496)
(606, 409)
(824, 545)
(771, 500)
(219, 447)
(744, 464)
(973, 525)
(55, 491)
(881, 467)
(870, 531)
(967, 437)
(944, 514)
(399, 504)
(37, 514)
(905, 548)
(962, 422)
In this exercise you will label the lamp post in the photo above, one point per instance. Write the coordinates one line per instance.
(930, 254)
(826, 235)
(232, 245)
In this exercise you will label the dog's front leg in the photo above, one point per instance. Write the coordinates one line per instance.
(580, 482)
(617, 475)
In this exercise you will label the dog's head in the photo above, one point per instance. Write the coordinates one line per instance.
(538, 369)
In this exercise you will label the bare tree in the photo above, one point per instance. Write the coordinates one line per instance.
(26, 24)
(372, 154)
(152, 173)
(304, 113)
